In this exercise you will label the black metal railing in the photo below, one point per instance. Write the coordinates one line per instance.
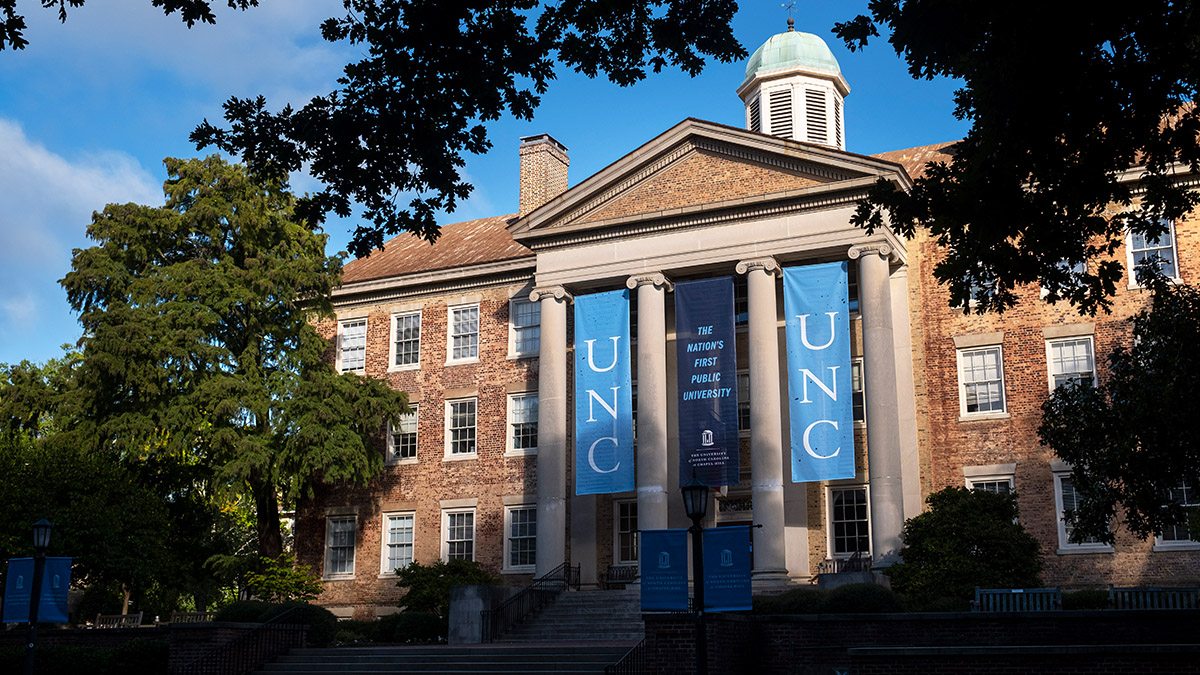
(529, 600)
(249, 651)
(855, 563)
(633, 663)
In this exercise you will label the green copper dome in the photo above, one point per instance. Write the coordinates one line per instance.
(793, 49)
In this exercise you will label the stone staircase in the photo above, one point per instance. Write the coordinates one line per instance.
(581, 616)
(496, 659)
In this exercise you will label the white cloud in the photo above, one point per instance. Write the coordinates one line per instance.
(46, 202)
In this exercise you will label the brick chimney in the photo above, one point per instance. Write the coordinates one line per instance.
(543, 171)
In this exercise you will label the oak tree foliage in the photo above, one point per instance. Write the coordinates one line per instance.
(198, 351)
(1063, 99)
(1131, 440)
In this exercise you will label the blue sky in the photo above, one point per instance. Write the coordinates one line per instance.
(90, 108)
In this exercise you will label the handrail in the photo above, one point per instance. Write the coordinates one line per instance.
(251, 650)
(541, 592)
(633, 663)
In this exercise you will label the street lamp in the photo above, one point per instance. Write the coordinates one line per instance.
(695, 505)
(41, 542)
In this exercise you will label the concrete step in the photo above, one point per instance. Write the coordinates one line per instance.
(554, 657)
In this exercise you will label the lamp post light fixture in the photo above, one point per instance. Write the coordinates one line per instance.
(41, 542)
(695, 504)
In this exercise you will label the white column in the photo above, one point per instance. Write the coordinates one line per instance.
(652, 399)
(766, 427)
(883, 406)
(552, 429)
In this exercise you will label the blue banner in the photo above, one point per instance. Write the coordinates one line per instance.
(706, 357)
(816, 303)
(603, 394)
(664, 570)
(727, 568)
(18, 587)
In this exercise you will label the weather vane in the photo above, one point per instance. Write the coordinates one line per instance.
(791, 8)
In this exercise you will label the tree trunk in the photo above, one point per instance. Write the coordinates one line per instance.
(266, 508)
(125, 601)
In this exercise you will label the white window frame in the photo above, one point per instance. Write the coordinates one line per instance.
(1161, 544)
(385, 568)
(446, 514)
(1065, 547)
(391, 438)
(514, 330)
(510, 447)
(450, 335)
(1129, 264)
(1050, 356)
(329, 521)
(857, 363)
(448, 450)
(616, 555)
(973, 482)
(507, 565)
(829, 536)
(962, 384)
(392, 365)
(341, 333)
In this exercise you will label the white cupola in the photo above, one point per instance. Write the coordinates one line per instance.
(794, 89)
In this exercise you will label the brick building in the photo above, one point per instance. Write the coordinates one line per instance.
(476, 329)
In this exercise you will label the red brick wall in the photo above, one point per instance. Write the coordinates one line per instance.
(421, 486)
(948, 444)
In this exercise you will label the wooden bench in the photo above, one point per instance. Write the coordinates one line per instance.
(192, 617)
(1154, 598)
(118, 620)
(619, 575)
(1017, 600)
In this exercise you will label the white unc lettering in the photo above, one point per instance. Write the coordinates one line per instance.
(804, 330)
(808, 446)
(592, 455)
(806, 375)
(616, 339)
(593, 397)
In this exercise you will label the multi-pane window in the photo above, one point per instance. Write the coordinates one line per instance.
(339, 546)
(1070, 360)
(743, 393)
(460, 535)
(402, 437)
(858, 403)
(849, 524)
(521, 542)
(981, 380)
(1187, 496)
(523, 422)
(997, 485)
(398, 541)
(406, 330)
(460, 427)
(352, 341)
(741, 301)
(1068, 500)
(1160, 250)
(464, 332)
(526, 319)
(627, 532)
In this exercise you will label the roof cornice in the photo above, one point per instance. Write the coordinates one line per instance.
(435, 281)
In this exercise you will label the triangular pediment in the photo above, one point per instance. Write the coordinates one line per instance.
(697, 166)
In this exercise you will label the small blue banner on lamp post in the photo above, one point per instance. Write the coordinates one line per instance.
(664, 570)
(56, 579)
(727, 568)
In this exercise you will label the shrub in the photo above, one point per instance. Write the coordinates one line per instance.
(1094, 598)
(412, 628)
(322, 624)
(244, 611)
(939, 604)
(967, 539)
(794, 601)
(860, 598)
(356, 632)
(429, 585)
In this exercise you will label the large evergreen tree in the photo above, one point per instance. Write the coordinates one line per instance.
(199, 355)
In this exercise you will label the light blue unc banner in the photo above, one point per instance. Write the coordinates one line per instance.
(816, 303)
(603, 394)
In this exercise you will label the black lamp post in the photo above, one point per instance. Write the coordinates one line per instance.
(41, 542)
(695, 504)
